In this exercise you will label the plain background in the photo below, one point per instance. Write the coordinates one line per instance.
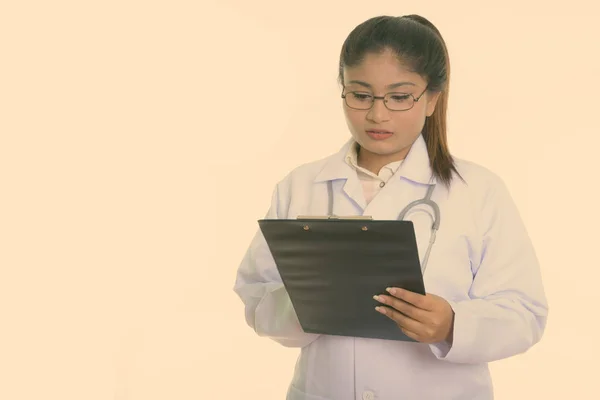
(140, 142)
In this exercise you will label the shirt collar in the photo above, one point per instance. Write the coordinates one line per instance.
(352, 160)
(415, 166)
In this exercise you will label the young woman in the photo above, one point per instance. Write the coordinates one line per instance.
(485, 300)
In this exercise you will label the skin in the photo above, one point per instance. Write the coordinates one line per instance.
(379, 71)
(429, 318)
(426, 319)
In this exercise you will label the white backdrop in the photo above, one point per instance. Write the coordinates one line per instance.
(132, 179)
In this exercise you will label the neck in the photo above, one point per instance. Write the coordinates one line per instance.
(374, 162)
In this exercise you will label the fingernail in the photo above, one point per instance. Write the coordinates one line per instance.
(379, 298)
(391, 290)
(380, 309)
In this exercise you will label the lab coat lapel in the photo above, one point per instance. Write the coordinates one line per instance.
(353, 191)
(406, 185)
(409, 183)
(348, 195)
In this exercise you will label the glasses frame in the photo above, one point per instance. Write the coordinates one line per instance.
(415, 99)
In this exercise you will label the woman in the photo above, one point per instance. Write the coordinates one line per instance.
(485, 300)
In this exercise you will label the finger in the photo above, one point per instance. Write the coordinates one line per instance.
(416, 299)
(402, 320)
(402, 306)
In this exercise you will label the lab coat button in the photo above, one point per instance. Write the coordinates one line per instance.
(368, 395)
(382, 184)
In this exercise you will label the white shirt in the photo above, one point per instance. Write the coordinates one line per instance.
(371, 182)
(482, 263)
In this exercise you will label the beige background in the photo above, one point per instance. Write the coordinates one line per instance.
(132, 177)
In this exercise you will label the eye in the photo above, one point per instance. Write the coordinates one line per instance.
(361, 96)
(400, 97)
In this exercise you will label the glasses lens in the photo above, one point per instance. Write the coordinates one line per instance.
(399, 101)
(359, 100)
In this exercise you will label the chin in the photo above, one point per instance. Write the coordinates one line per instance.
(381, 146)
(384, 147)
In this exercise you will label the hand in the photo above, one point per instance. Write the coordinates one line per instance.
(426, 319)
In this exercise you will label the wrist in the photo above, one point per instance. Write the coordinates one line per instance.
(450, 334)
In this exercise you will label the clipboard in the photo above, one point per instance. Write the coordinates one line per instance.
(332, 267)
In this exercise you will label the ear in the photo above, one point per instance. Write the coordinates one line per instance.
(431, 103)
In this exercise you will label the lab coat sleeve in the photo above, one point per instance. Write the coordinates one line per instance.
(268, 307)
(507, 310)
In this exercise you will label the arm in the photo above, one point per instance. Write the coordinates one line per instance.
(268, 308)
(507, 310)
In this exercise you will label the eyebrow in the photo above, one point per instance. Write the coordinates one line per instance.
(392, 86)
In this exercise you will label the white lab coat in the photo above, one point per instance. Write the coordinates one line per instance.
(482, 263)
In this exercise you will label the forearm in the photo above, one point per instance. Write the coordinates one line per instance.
(487, 330)
(268, 308)
(270, 313)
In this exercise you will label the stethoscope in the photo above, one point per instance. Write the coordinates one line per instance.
(426, 200)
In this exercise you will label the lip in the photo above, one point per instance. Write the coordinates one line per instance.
(378, 131)
(379, 134)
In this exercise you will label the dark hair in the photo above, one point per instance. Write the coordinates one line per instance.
(420, 47)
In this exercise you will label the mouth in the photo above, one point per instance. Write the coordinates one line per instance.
(378, 134)
(378, 131)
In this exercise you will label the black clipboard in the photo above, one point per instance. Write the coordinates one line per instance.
(332, 267)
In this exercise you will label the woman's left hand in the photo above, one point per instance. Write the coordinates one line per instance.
(426, 319)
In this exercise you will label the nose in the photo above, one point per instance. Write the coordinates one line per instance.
(378, 112)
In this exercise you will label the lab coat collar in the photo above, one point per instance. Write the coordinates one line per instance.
(415, 166)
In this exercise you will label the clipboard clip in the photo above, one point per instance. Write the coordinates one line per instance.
(334, 217)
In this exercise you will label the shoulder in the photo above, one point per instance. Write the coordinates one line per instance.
(485, 193)
(477, 179)
(297, 185)
(483, 189)
(475, 173)
(308, 173)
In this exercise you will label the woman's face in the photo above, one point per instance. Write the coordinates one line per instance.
(377, 75)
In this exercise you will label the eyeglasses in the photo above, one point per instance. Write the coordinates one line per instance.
(396, 101)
